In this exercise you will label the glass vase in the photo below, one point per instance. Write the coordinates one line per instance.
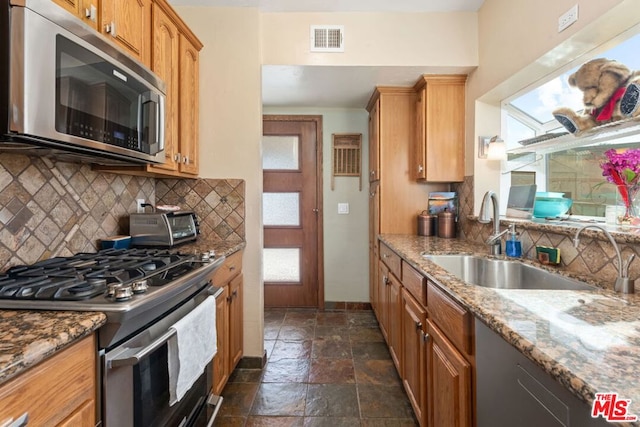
(628, 201)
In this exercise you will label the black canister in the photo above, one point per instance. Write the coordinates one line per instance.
(426, 224)
(446, 224)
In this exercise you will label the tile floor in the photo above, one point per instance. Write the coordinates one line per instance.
(324, 368)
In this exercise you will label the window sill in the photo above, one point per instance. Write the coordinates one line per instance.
(610, 133)
(621, 234)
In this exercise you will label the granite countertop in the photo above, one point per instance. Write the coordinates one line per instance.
(28, 337)
(589, 341)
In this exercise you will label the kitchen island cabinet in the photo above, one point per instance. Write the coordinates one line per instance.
(229, 320)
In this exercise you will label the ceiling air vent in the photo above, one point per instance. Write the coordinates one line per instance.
(327, 38)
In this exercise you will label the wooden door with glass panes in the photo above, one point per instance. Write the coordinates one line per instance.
(291, 211)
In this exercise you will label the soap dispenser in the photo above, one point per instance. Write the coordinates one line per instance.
(513, 247)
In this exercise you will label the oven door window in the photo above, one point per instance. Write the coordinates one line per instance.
(151, 394)
(151, 389)
(100, 102)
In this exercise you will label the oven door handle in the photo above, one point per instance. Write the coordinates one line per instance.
(128, 359)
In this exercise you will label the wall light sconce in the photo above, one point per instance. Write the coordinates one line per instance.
(492, 148)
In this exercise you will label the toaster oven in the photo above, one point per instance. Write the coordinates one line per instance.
(163, 229)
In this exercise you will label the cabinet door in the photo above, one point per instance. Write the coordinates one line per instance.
(235, 321)
(440, 106)
(189, 73)
(87, 10)
(383, 299)
(419, 169)
(374, 142)
(414, 325)
(374, 227)
(394, 327)
(166, 46)
(128, 23)
(221, 359)
(85, 415)
(449, 382)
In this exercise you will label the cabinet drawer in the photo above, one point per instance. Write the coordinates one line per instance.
(229, 269)
(55, 388)
(391, 259)
(451, 318)
(415, 283)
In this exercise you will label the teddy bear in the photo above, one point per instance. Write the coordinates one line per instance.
(603, 83)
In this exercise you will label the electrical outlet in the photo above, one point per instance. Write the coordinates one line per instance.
(139, 207)
(568, 18)
(343, 208)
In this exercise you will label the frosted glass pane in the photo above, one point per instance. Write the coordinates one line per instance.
(281, 208)
(280, 152)
(281, 265)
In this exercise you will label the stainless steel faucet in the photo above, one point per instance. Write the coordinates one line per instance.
(494, 240)
(623, 284)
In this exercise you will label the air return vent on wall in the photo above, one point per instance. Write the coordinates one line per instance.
(327, 38)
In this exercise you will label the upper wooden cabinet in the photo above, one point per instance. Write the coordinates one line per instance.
(174, 57)
(439, 148)
(128, 23)
(166, 56)
(87, 10)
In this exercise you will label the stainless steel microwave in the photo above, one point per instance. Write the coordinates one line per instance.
(65, 90)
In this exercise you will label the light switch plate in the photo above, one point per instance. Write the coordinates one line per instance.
(343, 208)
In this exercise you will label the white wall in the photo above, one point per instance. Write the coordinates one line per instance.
(231, 131)
(346, 253)
(406, 39)
(520, 47)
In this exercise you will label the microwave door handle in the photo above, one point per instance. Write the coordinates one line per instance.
(160, 123)
(128, 359)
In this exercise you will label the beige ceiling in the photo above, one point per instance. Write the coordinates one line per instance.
(336, 86)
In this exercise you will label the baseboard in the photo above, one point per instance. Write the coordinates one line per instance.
(346, 305)
(253, 362)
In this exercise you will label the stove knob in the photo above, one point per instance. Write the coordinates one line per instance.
(119, 292)
(140, 286)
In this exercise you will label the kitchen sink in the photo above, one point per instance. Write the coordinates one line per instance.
(504, 274)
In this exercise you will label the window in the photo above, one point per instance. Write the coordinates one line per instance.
(574, 171)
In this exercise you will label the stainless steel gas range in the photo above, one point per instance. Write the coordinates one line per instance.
(143, 293)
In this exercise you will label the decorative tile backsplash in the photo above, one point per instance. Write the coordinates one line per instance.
(50, 208)
(593, 256)
(218, 203)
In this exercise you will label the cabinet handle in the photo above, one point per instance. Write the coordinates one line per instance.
(419, 326)
(111, 28)
(385, 256)
(425, 337)
(185, 160)
(385, 280)
(420, 168)
(90, 13)
(22, 421)
(232, 267)
(176, 157)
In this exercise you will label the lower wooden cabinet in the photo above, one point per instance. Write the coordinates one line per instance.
(448, 382)
(60, 391)
(229, 320)
(414, 326)
(430, 339)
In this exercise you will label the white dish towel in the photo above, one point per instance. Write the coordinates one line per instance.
(192, 348)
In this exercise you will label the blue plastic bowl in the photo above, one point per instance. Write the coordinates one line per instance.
(551, 206)
(116, 242)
